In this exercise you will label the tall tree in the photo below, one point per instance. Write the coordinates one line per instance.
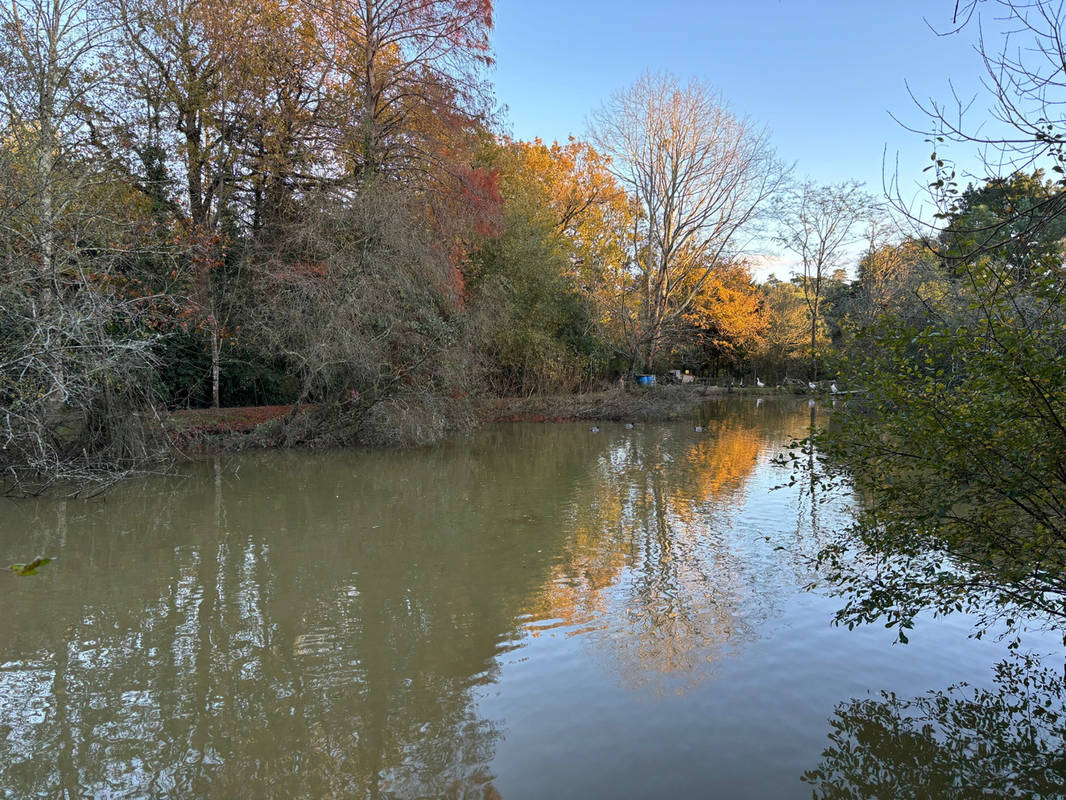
(959, 442)
(698, 175)
(75, 355)
(819, 224)
(413, 73)
(46, 50)
(183, 49)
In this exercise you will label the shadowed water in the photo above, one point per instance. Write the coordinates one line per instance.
(531, 611)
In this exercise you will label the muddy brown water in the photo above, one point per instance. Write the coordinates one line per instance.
(532, 611)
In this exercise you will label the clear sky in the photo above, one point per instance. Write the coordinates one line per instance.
(822, 75)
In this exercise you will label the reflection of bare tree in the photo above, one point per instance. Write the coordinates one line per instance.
(811, 487)
(321, 625)
(320, 629)
(653, 565)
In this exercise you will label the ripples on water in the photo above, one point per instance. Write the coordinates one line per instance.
(534, 611)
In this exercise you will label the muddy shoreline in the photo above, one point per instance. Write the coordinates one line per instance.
(253, 426)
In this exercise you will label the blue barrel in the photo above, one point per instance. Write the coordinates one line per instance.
(646, 380)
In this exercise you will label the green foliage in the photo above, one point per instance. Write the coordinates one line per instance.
(541, 341)
(958, 449)
(1017, 220)
(248, 376)
(544, 338)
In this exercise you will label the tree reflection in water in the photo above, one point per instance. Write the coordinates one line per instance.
(314, 628)
(1007, 741)
(657, 571)
(321, 625)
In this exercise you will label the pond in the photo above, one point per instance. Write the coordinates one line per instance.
(530, 611)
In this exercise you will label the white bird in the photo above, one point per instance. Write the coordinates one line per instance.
(629, 426)
(594, 429)
(811, 386)
(759, 383)
(833, 388)
(699, 429)
(758, 402)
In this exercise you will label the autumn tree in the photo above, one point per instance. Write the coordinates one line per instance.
(698, 175)
(546, 271)
(174, 112)
(413, 78)
(727, 320)
(184, 48)
(786, 334)
(572, 185)
(287, 109)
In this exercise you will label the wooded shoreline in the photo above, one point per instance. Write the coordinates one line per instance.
(253, 426)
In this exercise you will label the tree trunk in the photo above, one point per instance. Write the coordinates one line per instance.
(194, 167)
(813, 368)
(215, 366)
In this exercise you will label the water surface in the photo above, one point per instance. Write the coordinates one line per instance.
(531, 611)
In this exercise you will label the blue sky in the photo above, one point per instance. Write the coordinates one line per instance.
(822, 75)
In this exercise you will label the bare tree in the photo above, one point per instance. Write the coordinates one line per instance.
(1023, 77)
(820, 224)
(75, 361)
(46, 48)
(698, 174)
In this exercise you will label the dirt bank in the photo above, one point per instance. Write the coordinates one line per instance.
(238, 428)
(629, 405)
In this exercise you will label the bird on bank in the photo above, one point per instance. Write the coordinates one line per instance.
(833, 388)
(698, 429)
(759, 383)
(811, 385)
(629, 426)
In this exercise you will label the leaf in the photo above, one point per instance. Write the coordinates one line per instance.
(22, 570)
